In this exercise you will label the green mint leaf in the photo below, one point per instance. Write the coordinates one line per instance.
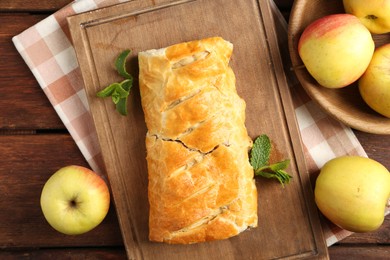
(260, 151)
(265, 174)
(119, 92)
(121, 106)
(120, 64)
(107, 91)
(127, 84)
(272, 175)
(115, 97)
(280, 165)
(259, 157)
(284, 177)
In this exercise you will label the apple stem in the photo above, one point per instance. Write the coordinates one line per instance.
(371, 17)
(73, 203)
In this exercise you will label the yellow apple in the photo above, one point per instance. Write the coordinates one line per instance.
(352, 192)
(336, 49)
(374, 85)
(374, 14)
(74, 200)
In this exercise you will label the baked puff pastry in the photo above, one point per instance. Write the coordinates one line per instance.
(201, 184)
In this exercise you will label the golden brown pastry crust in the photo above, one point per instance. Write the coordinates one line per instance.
(201, 184)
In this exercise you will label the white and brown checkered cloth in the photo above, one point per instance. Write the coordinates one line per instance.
(47, 49)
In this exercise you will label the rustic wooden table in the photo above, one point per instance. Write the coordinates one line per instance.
(34, 143)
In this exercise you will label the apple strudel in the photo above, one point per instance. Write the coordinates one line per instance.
(201, 184)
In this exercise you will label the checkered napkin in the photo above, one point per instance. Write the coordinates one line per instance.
(47, 49)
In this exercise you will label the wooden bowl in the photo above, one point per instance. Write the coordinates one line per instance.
(345, 104)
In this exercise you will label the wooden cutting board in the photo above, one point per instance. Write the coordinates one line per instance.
(289, 226)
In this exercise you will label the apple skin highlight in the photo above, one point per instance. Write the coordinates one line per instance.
(74, 200)
(352, 192)
(374, 14)
(374, 85)
(336, 50)
(325, 27)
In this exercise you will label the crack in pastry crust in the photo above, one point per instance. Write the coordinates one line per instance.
(187, 147)
(201, 184)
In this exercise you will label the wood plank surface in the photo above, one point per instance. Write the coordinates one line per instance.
(23, 104)
(32, 6)
(27, 111)
(377, 147)
(381, 236)
(53, 5)
(359, 252)
(89, 253)
(25, 158)
(31, 159)
(368, 252)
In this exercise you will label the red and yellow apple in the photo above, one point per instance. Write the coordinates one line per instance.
(374, 85)
(74, 200)
(374, 14)
(336, 49)
(352, 192)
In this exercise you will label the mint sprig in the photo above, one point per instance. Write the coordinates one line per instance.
(119, 91)
(120, 64)
(259, 159)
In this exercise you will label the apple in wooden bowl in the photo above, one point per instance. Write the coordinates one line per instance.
(345, 104)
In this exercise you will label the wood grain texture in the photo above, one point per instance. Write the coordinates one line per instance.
(380, 236)
(23, 101)
(118, 253)
(335, 253)
(115, 253)
(376, 147)
(42, 154)
(53, 5)
(359, 252)
(32, 6)
(30, 161)
(344, 104)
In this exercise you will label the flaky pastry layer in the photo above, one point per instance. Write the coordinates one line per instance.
(201, 184)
